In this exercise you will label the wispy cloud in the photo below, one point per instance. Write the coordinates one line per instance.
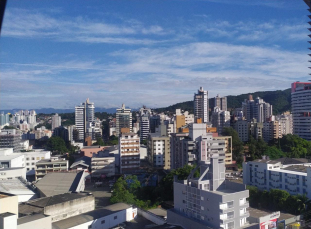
(167, 75)
(22, 23)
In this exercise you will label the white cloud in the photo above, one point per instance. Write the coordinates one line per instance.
(153, 76)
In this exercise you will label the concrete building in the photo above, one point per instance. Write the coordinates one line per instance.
(242, 127)
(220, 102)
(285, 124)
(255, 128)
(8, 203)
(11, 173)
(144, 123)
(290, 174)
(42, 133)
(210, 200)
(201, 106)
(50, 165)
(104, 218)
(129, 144)
(59, 207)
(155, 121)
(220, 119)
(301, 109)
(32, 157)
(8, 159)
(158, 151)
(227, 149)
(123, 119)
(103, 164)
(61, 132)
(10, 139)
(84, 117)
(56, 121)
(256, 109)
(270, 130)
(4, 120)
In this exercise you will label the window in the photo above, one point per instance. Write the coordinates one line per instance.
(27, 169)
(38, 158)
(32, 158)
(32, 163)
(42, 157)
(27, 163)
(103, 221)
(115, 217)
(27, 158)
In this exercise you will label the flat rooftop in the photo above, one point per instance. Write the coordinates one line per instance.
(159, 212)
(49, 161)
(296, 168)
(257, 213)
(89, 216)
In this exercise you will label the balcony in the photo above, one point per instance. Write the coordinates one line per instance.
(225, 219)
(225, 209)
(245, 204)
(244, 214)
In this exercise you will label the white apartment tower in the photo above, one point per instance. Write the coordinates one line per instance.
(123, 119)
(129, 152)
(144, 123)
(220, 119)
(84, 117)
(201, 107)
(56, 121)
(258, 109)
(301, 109)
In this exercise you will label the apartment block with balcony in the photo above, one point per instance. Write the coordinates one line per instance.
(129, 153)
(228, 148)
(158, 151)
(210, 200)
(289, 174)
(50, 165)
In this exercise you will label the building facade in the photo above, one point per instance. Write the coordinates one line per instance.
(201, 106)
(129, 144)
(220, 119)
(220, 102)
(56, 121)
(301, 109)
(289, 174)
(123, 119)
(103, 164)
(210, 199)
(158, 151)
(50, 165)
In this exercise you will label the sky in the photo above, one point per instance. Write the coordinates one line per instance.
(148, 52)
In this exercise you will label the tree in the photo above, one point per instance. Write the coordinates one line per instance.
(8, 127)
(144, 142)
(99, 142)
(121, 193)
(237, 144)
(56, 144)
(274, 153)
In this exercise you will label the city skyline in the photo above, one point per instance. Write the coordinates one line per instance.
(57, 54)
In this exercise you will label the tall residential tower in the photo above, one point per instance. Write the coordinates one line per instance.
(201, 107)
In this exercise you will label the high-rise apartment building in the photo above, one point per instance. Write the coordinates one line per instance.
(220, 119)
(144, 123)
(84, 118)
(301, 109)
(129, 152)
(56, 121)
(4, 119)
(209, 201)
(285, 124)
(220, 102)
(201, 106)
(123, 119)
(257, 109)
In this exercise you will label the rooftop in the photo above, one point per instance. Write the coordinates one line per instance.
(89, 216)
(30, 218)
(285, 161)
(58, 183)
(92, 147)
(49, 161)
(296, 168)
(159, 212)
(257, 213)
(38, 205)
(14, 186)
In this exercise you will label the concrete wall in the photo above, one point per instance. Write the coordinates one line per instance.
(43, 223)
(70, 208)
(9, 204)
(12, 173)
(152, 217)
(8, 221)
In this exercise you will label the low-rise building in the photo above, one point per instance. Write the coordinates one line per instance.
(90, 150)
(61, 182)
(10, 139)
(103, 164)
(50, 165)
(105, 218)
(19, 187)
(290, 174)
(59, 207)
(10, 173)
(9, 159)
(210, 200)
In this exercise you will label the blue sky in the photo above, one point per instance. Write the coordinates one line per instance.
(148, 52)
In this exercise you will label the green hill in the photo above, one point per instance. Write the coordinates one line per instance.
(281, 101)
